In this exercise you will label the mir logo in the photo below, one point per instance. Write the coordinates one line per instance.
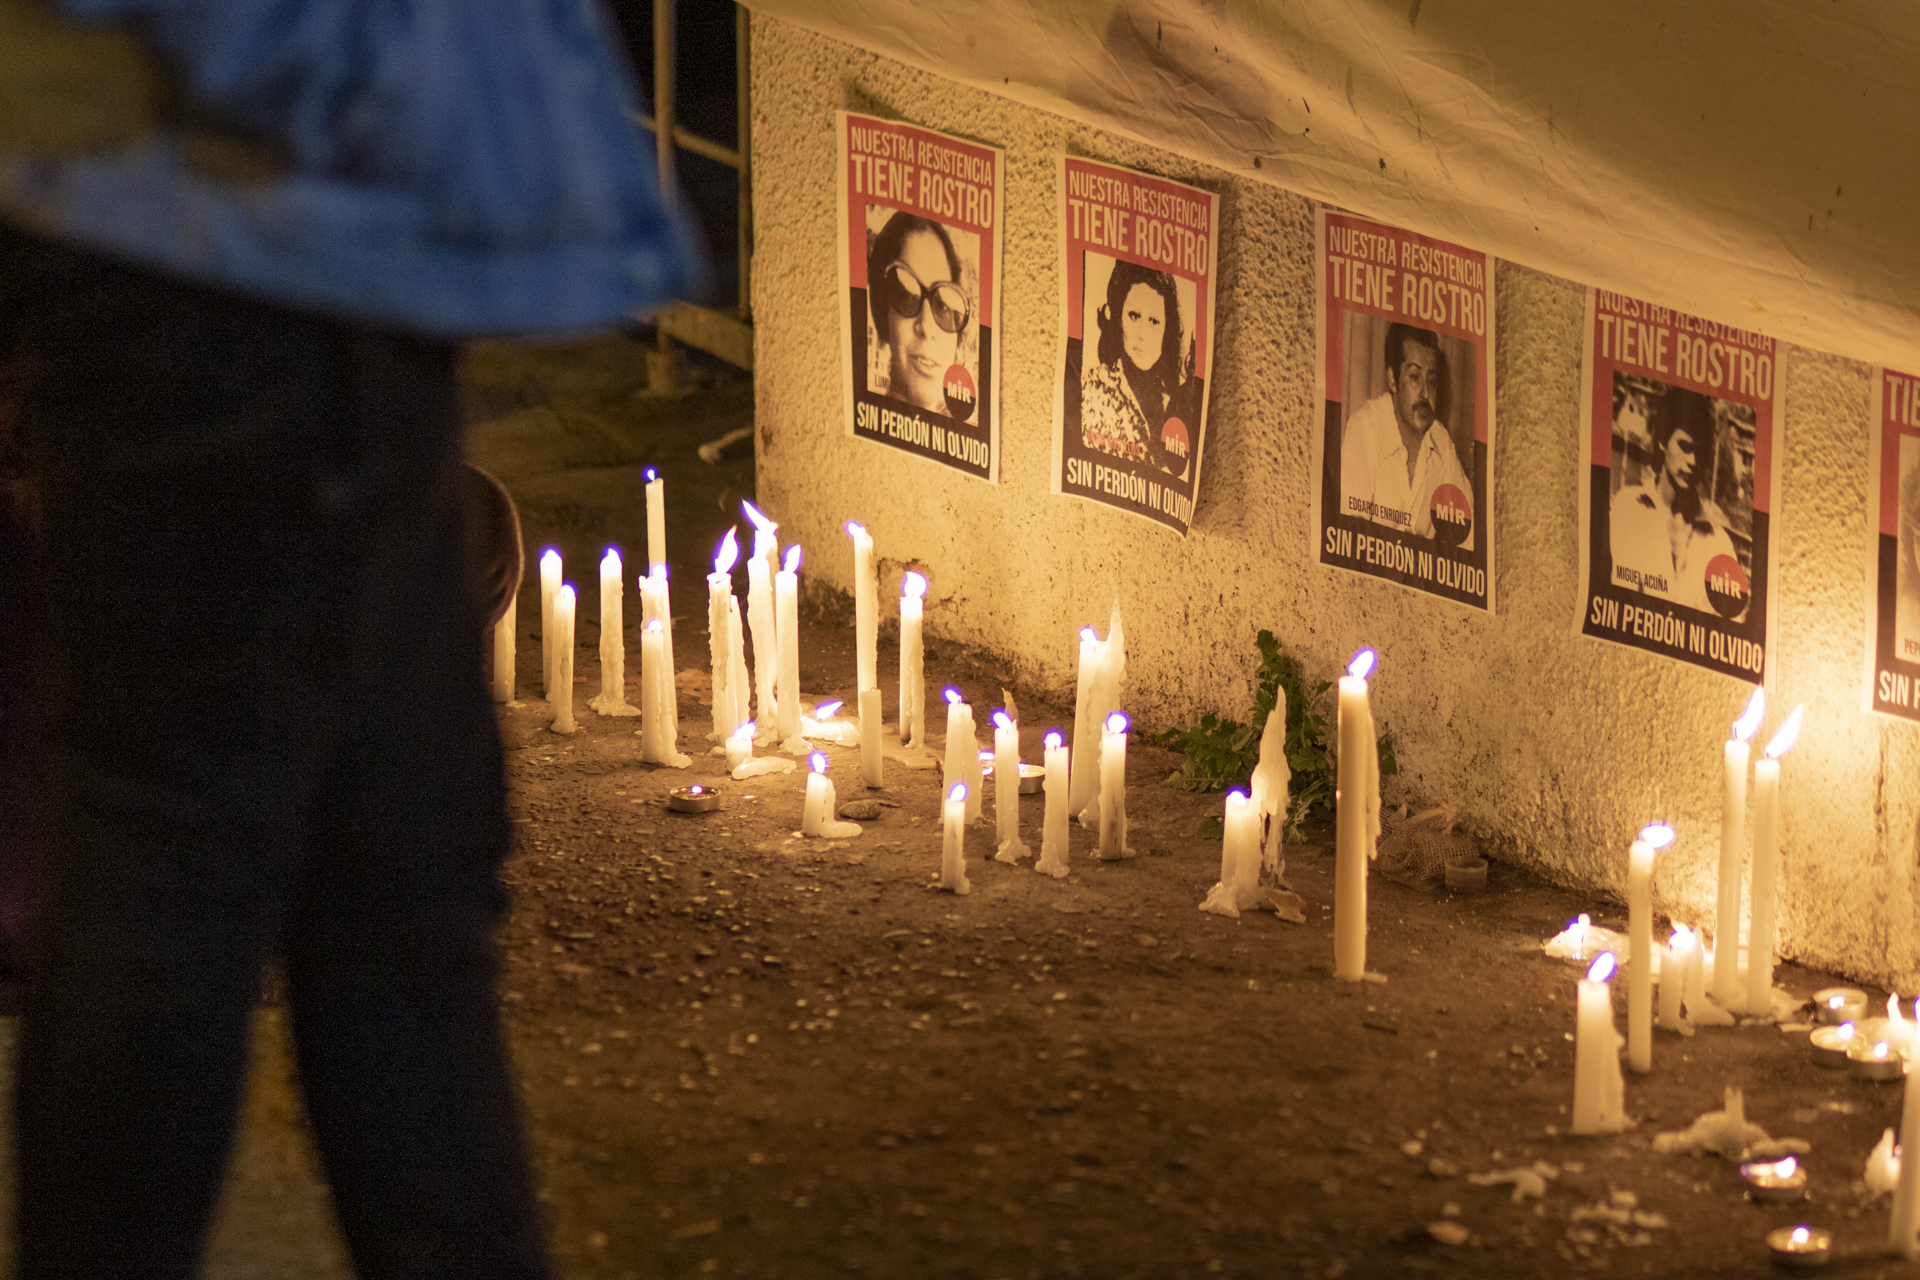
(961, 394)
(1728, 588)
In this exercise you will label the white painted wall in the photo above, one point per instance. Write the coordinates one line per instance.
(1556, 749)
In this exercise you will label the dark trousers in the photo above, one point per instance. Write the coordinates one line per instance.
(269, 734)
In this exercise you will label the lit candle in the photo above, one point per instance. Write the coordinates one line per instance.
(786, 606)
(866, 608)
(1830, 1046)
(870, 722)
(819, 802)
(1103, 664)
(1238, 888)
(962, 762)
(560, 687)
(612, 698)
(503, 653)
(740, 744)
(1903, 1233)
(1652, 839)
(549, 646)
(1834, 1005)
(1113, 788)
(1053, 830)
(760, 622)
(739, 683)
(1673, 976)
(913, 684)
(656, 523)
(1271, 778)
(720, 608)
(658, 740)
(1006, 787)
(1775, 1181)
(1733, 831)
(1599, 1092)
(656, 613)
(953, 866)
(1357, 820)
(1766, 868)
(1799, 1247)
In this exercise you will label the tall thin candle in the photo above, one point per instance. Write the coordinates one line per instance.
(1733, 832)
(612, 698)
(560, 687)
(1652, 839)
(1766, 868)
(549, 645)
(1113, 788)
(1006, 787)
(656, 522)
(720, 604)
(1903, 1231)
(1357, 820)
(504, 639)
(786, 613)
(761, 623)
(866, 608)
(913, 683)
(1054, 829)
(953, 832)
(1599, 1092)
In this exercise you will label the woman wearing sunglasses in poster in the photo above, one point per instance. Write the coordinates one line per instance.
(920, 311)
(1135, 399)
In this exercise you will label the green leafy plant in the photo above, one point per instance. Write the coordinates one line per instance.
(1222, 753)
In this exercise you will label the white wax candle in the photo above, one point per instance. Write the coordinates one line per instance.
(866, 609)
(913, 684)
(1271, 779)
(1903, 1231)
(1238, 887)
(560, 690)
(657, 606)
(656, 522)
(819, 804)
(503, 653)
(1694, 993)
(761, 623)
(960, 742)
(549, 646)
(1113, 787)
(870, 723)
(1599, 1092)
(1640, 944)
(1733, 833)
(1099, 696)
(1006, 787)
(613, 639)
(739, 683)
(719, 605)
(1357, 817)
(953, 816)
(653, 712)
(1053, 830)
(1673, 976)
(740, 744)
(786, 614)
(1766, 868)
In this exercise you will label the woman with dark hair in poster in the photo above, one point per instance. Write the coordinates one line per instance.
(1663, 533)
(919, 307)
(1133, 399)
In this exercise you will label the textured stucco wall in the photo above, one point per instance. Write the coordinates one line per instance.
(1556, 749)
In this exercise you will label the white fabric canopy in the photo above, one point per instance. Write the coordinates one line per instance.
(1754, 162)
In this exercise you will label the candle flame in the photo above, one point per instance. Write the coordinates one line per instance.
(957, 792)
(913, 585)
(986, 757)
(1601, 969)
(855, 529)
(653, 625)
(696, 789)
(1880, 1049)
(652, 475)
(1362, 664)
(953, 695)
(1749, 721)
(793, 558)
(1800, 1235)
(1682, 938)
(1784, 1168)
(1845, 1033)
(1117, 722)
(1089, 635)
(1783, 738)
(1657, 835)
(760, 522)
(819, 761)
(1053, 741)
(1001, 720)
(565, 594)
(746, 730)
(611, 558)
(729, 553)
(1834, 1002)
(826, 709)
(550, 557)
(1236, 800)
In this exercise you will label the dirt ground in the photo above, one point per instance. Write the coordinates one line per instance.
(749, 1054)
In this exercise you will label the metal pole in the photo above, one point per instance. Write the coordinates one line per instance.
(743, 107)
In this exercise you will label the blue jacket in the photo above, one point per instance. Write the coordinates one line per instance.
(452, 167)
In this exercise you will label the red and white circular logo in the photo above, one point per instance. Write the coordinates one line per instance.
(961, 395)
(1728, 589)
(1173, 438)
(1452, 515)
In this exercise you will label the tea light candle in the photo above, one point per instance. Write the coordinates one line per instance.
(1599, 1091)
(1653, 838)
(549, 643)
(913, 682)
(694, 798)
(1766, 868)
(1031, 776)
(1469, 875)
(1875, 1061)
(866, 609)
(953, 815)
(1357, 820)
(819, 799)
(1830, 1045)
(504, 641)
(656, 522)
(761, 624)
(1681, 947)
(1800, 1246)
(721, 609)
(870, 752)
(560, 687)
(1733, 833)
(1113, 788)
(1006, 788)
(1836, 1005)
(1775, 1181)
(1054, 829)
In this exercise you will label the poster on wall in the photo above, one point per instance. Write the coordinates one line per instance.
(1139, 257)
(1678, 482)
(919, 263)
(1893, 547)
(1403, 458)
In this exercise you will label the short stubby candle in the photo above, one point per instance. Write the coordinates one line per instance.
(1800, 1247)
(1775, 1181)
(1599, 1090)
(1681, 948)
(740, 744)
(1835, 1005)
(913, 682)
(1653, 838)
(1733, 853)
(819, 800)
(1054, 825)
(1113, 788)
(953, 819)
